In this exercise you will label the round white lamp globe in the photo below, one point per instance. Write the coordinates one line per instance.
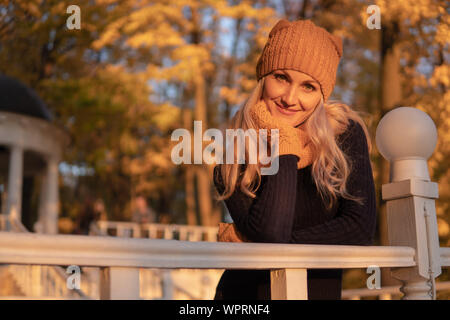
(406, 137)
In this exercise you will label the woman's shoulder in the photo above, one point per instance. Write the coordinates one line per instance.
(353, 141)
(353, 133)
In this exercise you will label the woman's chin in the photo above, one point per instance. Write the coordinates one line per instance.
(285, 119)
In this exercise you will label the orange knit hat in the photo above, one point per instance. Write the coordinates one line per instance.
(304, 47)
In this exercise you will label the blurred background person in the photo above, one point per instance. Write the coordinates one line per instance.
(142, 213)
(85, 217)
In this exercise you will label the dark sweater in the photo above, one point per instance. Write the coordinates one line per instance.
(279, 215)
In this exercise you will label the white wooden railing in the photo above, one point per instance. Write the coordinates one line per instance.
(154, 280)
(154, 231)
(41, 281)
(193, 284)
(384, 293)
(120, 258)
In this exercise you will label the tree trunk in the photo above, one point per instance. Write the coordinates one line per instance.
(201, 170)
(191, 215)
(391, 97)
(302, 13)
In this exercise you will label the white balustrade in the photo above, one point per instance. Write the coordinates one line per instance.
(36, 280)
(155, 230)
(128, 253)
(407, 137)
(385, 293)
(107, 252)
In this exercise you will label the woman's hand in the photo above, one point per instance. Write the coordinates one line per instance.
(229, 233)
(291, 140)
(264, 119)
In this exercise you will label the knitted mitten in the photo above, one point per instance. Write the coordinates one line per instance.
(229, 233)
(291, 140)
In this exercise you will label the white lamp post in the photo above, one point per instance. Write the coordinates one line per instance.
(407, 137)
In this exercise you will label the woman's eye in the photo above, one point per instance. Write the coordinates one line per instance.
(280, 76)
(309, 87)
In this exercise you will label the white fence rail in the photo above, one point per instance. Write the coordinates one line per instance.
(384, 293)
(42, 281)
(194, 284)
(154, 280)
(121, 258)
(154, 231)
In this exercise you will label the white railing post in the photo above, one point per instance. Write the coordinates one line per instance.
(118, 283)
(152, 232)
(406, 137)
(288, 284)
(136, 231)
(183, 233)
(103, 226)
(36, 280)
(167, 284)
(168, 232)
(119, 230)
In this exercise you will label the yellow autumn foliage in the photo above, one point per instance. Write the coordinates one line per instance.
(410, 11)
(166, 115)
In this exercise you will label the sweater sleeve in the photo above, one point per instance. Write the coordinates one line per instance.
(268, 217)
(354, 224)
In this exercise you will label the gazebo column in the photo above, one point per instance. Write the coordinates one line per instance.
(15, 180)
(49, 199)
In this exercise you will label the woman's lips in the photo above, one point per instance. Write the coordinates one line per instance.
(286, 111)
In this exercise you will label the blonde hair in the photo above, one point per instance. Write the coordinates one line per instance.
(331, 166)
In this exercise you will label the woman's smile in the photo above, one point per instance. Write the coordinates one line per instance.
(286, 111)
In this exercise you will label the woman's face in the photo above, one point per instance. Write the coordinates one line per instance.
(289, 94)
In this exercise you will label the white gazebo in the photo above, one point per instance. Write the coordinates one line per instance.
(30, 144)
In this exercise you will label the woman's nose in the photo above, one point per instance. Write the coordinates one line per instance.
(291, 96)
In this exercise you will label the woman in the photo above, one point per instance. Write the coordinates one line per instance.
(323, 192)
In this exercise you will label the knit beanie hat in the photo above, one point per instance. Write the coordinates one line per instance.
(304, 47)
